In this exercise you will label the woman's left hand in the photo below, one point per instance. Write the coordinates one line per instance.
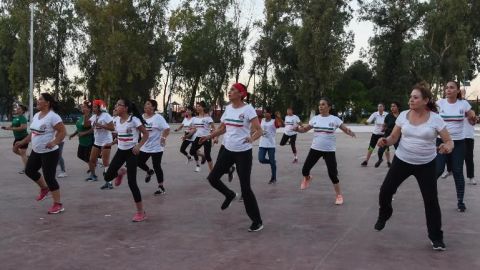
(50, 145)
(136, 150)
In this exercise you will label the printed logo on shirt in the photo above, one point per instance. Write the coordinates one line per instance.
(241, 116)
(40, 131)
(233, 122)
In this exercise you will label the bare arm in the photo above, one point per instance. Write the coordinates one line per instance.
(303, 128)
(60, 133)
(179, 128)
(257, 130)
(392, 139)
(143, 130)
(447, 146)
(347, 131)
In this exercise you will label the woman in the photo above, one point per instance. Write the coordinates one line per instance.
(128, 125)
(453, 110)
(186, 125)
(324, 145)
(85, 135)
(158, 131)
(291, 122)
(201, 126)
(19, 128)
(469, 131)
(388, 126)
(102, 124)
(47, 131)
(378, 118)
(267, 144)
(415, 155)
(240, 125)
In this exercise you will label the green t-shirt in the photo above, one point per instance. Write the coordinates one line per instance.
(17, 121)
(86, 140)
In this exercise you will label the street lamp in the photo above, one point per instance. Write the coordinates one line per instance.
(171, 60)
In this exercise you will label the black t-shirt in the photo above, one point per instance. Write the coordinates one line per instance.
(389, 123)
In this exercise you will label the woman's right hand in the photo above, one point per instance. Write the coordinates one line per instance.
(382, 142)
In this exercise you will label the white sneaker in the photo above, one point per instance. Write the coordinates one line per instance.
(472, 181)
(197, 169)
(62, 175)
(446, 174)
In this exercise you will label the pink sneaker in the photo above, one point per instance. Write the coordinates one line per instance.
(339, 200)
(56, 208)
(139, 217)
(43, 194)
(121, 172)
(305, 183)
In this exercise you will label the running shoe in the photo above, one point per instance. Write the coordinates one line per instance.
(339, 200)
(43, 194)
(364, 163)
(160, 191)
(305, 182)
(446, 174)
(272, 181)
(228, 200)
(380, 224)
(22, 172)
(377, 164)
(255, 227)
(438, 245)
(149, 175)
(62, 175)
(139, 217)
(472, 181)
(108, 185)
(56, 208)
(121, 172)
(461, 207)
(230, 173)
(91, 178)
(197, 169)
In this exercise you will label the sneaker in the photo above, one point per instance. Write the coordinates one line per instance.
(197, 169)
(255, 227)
(438, 245)
(139, 217)
(108, 185)
(295, 160)
(472, 181)
(121, 172)
(389, 164)
(149, 175)
(461, 207)
(380, 224)
(446, 174)
(377, 164)
(62, 175)
(230, 173)
(91, 178)
(100, 162)
(160, 191)
(56, 208)
(272, 181)
(43, 194)
(22, 172)
(228, 200)
(364, 164)
(339, 200)
(305, 182)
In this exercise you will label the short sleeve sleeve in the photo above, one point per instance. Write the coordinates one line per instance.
(438, 122)
(312, 121)
(224, 115)
(23, 120)
(371, 118)
(136, 122)
(108, 118)
(162, 123)
(467, 106)
(338, 122)
(55, 119)
(401, 119)
(210, 120)
(250, 113)
(297, 119)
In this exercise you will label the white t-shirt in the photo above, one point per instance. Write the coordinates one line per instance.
(324, 132)
(187, 126)
(468, 129)
(43, 132)
(237, 122)
(454, 115)
(290, 123)
(202, 124)
(378, 120)
(418, 143)
(127, 132)
(155, 126)
(269, 131)
(101, 135)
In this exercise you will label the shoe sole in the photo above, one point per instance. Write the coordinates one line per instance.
(56, 212)
(438, 248)
(145, 218)
(159, 194)
(256, 230)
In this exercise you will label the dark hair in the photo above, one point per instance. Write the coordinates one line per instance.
(154, 104)
(459, 94)
(132, 110)
(51, 100)
(268, 110)
(326, 99)
(88, 104)
(397, 104)
(24, 108)
(381, 103)
(203, 105)
(247, 98)
(424, 89)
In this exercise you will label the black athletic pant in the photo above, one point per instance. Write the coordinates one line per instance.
(426, 179)
(156, 162)
(207, 148)
(469, 146)
(183, 147)
(243, 162)
(293, 139)
(48, 162)
(122, 156)
(330, 161)
(83, 152)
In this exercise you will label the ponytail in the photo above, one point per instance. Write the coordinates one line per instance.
(133, 111)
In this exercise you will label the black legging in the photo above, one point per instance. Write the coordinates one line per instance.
(469, 146)
(48, 163)
(426, 179)
(293, 139)
(330, 161)
(184, 146)
(243, 161)
(207, 148)
(83, 152)
(122, 156)
(156, 162)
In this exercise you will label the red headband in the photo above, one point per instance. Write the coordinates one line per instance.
(99, 103)
(241, 88)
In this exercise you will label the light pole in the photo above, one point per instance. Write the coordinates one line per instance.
(171, 60)
(30, 101)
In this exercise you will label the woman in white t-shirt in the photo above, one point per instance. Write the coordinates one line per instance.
(267, 143)
(158, 131)
(469, 131)
(291, 123)
(378, 119)
(186, 126)
(323, 145)
(241, 127)
(201, 126)
(453, 110)
(128, 125)
(415, 155)
(47, 132)
(102, 124)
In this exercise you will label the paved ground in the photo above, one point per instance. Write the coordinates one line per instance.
(187, 230)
